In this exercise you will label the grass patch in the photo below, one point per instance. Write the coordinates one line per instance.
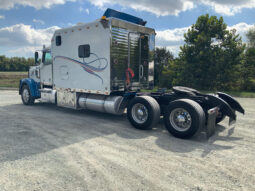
(11, 79)
(243, 94)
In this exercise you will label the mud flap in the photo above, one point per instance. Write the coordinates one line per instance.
(211, 121)
(234, 104)
(231, 121)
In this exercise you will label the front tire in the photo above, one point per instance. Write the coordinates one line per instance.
(143, 112)
(26, 97)
(183, 118)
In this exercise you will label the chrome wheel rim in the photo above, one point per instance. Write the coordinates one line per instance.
(180, 119)
(25, 95)
(139, 113)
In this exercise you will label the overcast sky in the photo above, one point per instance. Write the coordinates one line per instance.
(25, 25)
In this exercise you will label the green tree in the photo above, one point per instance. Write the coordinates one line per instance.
(169, 74)
(162, 59)
(251, 37)
(248, 67)
(15, 63)
(211, 55)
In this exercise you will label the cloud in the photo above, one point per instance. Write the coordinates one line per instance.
(171, 35)
(172, 39)
(2, 17)
(173, 7)
(27, 51)
(156, 7)
(70, 24)
(81, 9)
(229, 7)
(241, 29)
(38, 4)
(39, 21)
(159, 7)
(23, 35)
(23, 39)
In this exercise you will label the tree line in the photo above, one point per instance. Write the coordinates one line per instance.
(212, 58)
(15, 63)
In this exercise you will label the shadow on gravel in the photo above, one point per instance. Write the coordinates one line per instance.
(199, 141)
(30, 130)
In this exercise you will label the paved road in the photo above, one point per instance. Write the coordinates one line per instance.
(43, 147)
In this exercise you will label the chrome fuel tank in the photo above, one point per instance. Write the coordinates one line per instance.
(101, 103)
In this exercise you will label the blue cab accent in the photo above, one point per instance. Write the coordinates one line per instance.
(33, 86)
(124, 16)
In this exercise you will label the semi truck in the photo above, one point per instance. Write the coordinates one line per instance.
(103, 65)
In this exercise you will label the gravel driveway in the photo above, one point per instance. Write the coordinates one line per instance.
(44, 147)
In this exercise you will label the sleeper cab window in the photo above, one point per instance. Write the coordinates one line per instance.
(84, 51)
(58, 40)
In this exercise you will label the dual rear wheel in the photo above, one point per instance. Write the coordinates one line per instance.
(143, 112)
(182, 118)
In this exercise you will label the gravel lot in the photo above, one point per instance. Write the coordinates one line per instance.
(44, 147)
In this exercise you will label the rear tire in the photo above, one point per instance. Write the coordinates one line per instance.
(183, 118)
(143, 112)
(26, 97)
